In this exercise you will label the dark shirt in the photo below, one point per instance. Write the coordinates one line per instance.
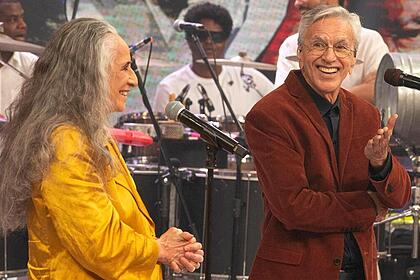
(352, 259)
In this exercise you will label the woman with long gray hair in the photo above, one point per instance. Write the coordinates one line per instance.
(63, 175)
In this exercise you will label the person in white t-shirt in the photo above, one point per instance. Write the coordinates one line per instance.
(243, 87)
(369, 54)
(14, 26)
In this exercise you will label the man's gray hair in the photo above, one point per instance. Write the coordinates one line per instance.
(326, 11)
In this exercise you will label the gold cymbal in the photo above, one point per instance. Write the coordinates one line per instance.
(242, 60)
(8, 44)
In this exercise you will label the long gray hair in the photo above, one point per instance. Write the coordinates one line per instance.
(326, 11)
(70, 85)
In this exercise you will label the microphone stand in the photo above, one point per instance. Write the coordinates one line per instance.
(238, 199)
(211, 150)
(172, 173)
(216, 80)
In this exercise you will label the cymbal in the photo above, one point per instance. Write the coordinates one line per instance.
(8, 44)
(242, 60)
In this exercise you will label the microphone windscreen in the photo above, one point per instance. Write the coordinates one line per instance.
(393, 76)
(173, 109)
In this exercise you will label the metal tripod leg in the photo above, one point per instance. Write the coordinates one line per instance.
(4, 275)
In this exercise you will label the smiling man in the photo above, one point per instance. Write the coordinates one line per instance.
(14, 26)
(369, 53)
(323, 161)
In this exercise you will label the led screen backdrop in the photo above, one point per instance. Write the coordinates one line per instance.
(260, 26)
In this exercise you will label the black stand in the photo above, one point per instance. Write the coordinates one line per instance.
(201, 102)
(173, 176)
(237, 209)
(211, 165)
(188, 103)
(238, 201)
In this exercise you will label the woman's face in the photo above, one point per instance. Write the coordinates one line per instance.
(121, 77)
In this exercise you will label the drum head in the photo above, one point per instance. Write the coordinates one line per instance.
(401, 100)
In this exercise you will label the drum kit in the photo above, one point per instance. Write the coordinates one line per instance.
(398, 234)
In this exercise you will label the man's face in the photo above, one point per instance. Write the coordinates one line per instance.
(326, 70)
(208, 43)
(11, 14)
(304, 5)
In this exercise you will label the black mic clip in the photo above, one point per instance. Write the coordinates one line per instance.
(205, 101)
(183, 93)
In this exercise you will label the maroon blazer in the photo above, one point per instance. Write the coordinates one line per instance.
(309, 200)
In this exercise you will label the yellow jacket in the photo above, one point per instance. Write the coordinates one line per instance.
(82, 229)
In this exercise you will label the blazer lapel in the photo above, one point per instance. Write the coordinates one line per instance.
(345, 131)
(112, 147)
(307, 105)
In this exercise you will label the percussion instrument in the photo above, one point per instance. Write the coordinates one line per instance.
(401, 100)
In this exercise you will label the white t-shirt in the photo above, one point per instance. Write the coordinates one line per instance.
(11, 81)
(371, 50)
(240, 94)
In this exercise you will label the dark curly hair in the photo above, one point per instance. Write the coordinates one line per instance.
(211, 11)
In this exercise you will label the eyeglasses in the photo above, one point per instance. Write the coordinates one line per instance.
(217, 37)
(341, 50)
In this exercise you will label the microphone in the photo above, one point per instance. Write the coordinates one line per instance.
(139, 45)
(396, 77)
(176, 111)
(207, 101)
(180, 25)
(183, 94)
(131, 137)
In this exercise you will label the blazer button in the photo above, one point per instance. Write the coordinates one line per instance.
(337, 262)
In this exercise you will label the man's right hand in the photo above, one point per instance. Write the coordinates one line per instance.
(381, 210)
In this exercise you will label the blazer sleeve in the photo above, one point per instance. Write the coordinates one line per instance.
(83, 216)
(286, 189)
(395, 190)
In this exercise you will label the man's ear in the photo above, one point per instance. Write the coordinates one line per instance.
(299, 52)
(353, 62)
(299, 56)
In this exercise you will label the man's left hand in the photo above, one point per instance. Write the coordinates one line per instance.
(376, 149)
